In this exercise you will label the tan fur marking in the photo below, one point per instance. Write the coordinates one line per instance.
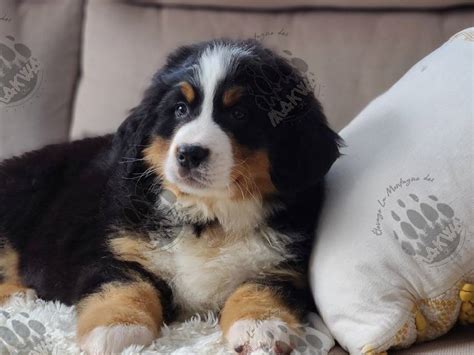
(255, 302)
(9, 265)
(214, 236)
(187, 91)
(250, 174)
(7, 290)
(136, 303)
(9, 271)
(155, 154)
(130, 248)
(231, 96)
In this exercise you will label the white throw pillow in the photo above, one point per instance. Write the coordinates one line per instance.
(394, 258)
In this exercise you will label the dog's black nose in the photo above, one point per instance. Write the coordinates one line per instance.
(191, 156)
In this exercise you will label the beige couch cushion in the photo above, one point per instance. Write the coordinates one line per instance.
(285, 4)
(459, 341)
(354, 55)
(37, 111)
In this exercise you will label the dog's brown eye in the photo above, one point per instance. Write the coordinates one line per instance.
(239, 114)
(181, 110)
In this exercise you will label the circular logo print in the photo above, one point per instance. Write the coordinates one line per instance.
(172, 225)
(426, 228)
(20, 333)
(281, 90)
(20, 72)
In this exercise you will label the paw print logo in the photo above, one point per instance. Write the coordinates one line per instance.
(427, 230)
(279, 338)
(306, 341)
(20, 72)
(172, 223)
(280, 91)
(302, 67)
(20, 334)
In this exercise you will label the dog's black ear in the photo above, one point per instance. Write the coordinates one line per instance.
(129, 200)
(302, 151)
(134, 133)
(131, 197)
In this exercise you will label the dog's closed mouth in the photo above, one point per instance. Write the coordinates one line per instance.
(192, 178)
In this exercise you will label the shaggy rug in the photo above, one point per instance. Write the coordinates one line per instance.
(33, 326)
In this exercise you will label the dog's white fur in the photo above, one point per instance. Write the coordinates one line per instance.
(203, 272)
(112, 340)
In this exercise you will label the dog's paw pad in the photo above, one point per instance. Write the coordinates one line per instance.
(114, 339)
(270, 336)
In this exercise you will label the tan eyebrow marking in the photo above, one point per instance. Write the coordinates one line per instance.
(187, 91)
(232, 95)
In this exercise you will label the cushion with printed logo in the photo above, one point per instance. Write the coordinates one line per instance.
(393, 263)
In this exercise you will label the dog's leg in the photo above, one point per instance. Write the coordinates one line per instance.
(11, 282)
(118, 315)
(255, 317)
(9, 289)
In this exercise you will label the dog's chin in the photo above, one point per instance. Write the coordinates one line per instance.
(194, 185)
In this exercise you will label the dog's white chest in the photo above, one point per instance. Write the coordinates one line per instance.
(204, 271)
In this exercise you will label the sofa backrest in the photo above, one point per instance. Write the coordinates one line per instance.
(97, 57)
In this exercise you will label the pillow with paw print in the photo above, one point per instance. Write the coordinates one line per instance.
(393, 262)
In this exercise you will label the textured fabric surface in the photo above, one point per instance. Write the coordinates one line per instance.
(394, 257)
(354, 56)
(33, 326)
(39, 66)
(458, 341)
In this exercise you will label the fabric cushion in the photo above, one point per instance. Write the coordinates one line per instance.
(394, 259)
(39, 67)
(458, 341)
(285, 4)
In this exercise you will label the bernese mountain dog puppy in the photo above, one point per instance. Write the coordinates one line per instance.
(205, 199)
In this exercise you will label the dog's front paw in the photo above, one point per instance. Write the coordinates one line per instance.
(114, 339)
(8, 290)
(270, 336)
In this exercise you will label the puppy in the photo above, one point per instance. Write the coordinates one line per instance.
(206, 198)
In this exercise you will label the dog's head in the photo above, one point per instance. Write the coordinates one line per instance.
(230, 119)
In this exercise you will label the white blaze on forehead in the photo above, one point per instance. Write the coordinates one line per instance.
(214, 65)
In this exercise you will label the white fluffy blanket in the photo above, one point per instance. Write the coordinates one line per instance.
(33, 326)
